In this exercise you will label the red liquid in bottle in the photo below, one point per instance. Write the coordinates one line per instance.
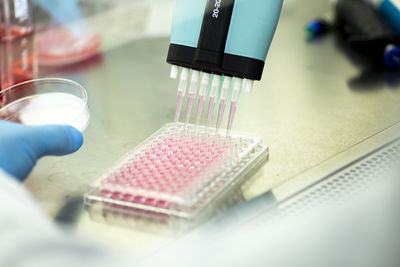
(18, 61)
(17, 57)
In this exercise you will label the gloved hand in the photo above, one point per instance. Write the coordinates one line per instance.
(21, 146)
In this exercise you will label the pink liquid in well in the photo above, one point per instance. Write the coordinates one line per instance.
(172, 166)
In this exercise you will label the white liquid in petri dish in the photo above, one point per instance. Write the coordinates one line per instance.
(48, 108)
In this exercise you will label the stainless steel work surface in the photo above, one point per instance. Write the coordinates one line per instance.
(313, 102)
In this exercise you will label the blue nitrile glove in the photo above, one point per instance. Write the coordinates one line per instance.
(21, 146)
(64, 12)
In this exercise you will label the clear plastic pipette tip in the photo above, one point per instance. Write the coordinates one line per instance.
(181, 92)
(200, 107)
(237, 87)
(248, 85)
(194, 83)
(174, 72)
(226, 86)
(189, 107)
(232, 113)
(221, 111)
(179, 103)
(205, 80)
(213, 98)
(210, 112)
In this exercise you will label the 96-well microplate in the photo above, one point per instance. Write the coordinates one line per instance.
(177, 171)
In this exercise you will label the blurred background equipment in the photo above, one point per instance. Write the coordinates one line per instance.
(371, 31)
(68, 39)
(390, 9)
(366, 31)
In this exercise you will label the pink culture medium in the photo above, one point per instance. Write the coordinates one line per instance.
(177, 168)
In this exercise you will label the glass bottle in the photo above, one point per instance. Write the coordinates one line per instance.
(17, 47)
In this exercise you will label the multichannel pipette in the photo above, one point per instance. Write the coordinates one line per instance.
(227, 38)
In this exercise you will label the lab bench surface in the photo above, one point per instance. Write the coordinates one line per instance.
(315, 100)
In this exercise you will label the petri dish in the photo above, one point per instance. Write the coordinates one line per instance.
(46, 101)
(56, 46)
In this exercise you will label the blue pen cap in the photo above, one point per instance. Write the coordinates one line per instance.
(392, 56)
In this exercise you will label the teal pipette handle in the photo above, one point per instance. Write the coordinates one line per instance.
(247, 29)
(252, 28)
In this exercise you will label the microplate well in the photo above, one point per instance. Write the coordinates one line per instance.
(177, 172)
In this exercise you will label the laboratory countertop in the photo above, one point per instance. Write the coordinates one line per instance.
(315, 101)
